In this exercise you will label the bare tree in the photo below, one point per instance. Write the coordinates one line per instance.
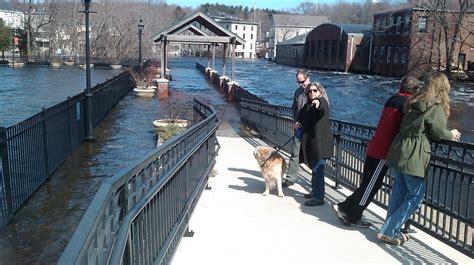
(450, 17)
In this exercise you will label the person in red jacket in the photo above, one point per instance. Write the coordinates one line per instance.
(349, 212)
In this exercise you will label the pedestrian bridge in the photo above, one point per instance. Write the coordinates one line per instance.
(234, 224)
(139, 217)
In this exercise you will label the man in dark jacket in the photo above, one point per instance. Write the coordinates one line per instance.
(299, 99)
(349, 212)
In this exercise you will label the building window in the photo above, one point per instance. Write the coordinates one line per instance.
(251, 36)
(244, 27)
(251, 28)
(251, 46)
(235, 27)
(395, 55)
(393, 26)
(404, 55)
(243, 46)
(318, 49)
(243, 36)
(382, 54)
(422, 24)
(389, 54)
(227, 26)
(397, 26)
(333, 49)
(326, 49)
(376, 51)
(406, 23)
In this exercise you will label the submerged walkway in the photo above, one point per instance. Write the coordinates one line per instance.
(235, 224)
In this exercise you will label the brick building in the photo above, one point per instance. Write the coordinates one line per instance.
(410, 39)
(338, 47)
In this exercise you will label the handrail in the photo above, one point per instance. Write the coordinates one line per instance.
(104, 231)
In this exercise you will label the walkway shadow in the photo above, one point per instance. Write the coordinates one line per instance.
(412, 252)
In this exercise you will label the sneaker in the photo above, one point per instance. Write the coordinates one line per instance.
(308, 195)
(388, 240)
(361, 223)
(286, 183)
(314, 202)
(341, 216)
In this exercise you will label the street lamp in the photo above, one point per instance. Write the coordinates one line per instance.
(88, 93)
(140, 30)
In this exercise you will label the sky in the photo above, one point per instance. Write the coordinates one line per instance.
(272, 4)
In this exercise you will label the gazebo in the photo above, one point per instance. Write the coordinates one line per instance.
(198, 28)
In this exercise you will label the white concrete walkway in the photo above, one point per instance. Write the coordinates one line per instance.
(235, 224)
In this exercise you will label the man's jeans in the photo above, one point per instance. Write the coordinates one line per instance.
(406, 196)
(294, 163)
(317, 180)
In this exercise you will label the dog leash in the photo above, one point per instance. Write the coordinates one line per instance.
(277, 150)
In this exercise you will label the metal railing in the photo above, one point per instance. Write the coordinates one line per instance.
(447, 212)
(235, 94)
(139, 215)
(31, 150)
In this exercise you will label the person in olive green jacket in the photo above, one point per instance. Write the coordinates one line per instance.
(425, 120)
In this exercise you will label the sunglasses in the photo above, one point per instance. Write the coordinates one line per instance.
(302, 81)
(312, 91)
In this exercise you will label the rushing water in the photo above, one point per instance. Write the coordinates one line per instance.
(41, 229)
(353, 97)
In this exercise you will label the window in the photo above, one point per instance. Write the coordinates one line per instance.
(235, 27)
(382, 54)
(251, 36)
(422, 24)
(251, 46)
(251, 28)
(397, 26)
(376, 50)
(227, 26)
(404, 55)
(244, 27)
(406, 23)
(333, 49)
(393, 26)
(389, 54)
(326, 49)
(243, 36)
(318, 49)
(395, 55)
(243, 46)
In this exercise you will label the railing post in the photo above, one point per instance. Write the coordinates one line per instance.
(5, 172)
(338, 157)
(45, 141)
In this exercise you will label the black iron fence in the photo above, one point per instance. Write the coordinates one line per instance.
(31, 150)
(447, 212)
(140, 215)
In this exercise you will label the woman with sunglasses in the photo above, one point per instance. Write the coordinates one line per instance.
(316, 140)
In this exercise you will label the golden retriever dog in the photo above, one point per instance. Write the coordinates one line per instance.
(273, 168)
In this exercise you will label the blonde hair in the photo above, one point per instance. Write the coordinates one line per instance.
(435, 91)
(321, 89)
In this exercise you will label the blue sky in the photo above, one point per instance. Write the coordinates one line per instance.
(274, 4)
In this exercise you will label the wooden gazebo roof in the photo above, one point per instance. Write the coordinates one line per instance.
(217, 33)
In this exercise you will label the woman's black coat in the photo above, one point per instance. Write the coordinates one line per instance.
(316, 141)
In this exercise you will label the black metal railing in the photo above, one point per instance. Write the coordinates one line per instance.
(31, 150)
(447, 212)
(139, 216)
